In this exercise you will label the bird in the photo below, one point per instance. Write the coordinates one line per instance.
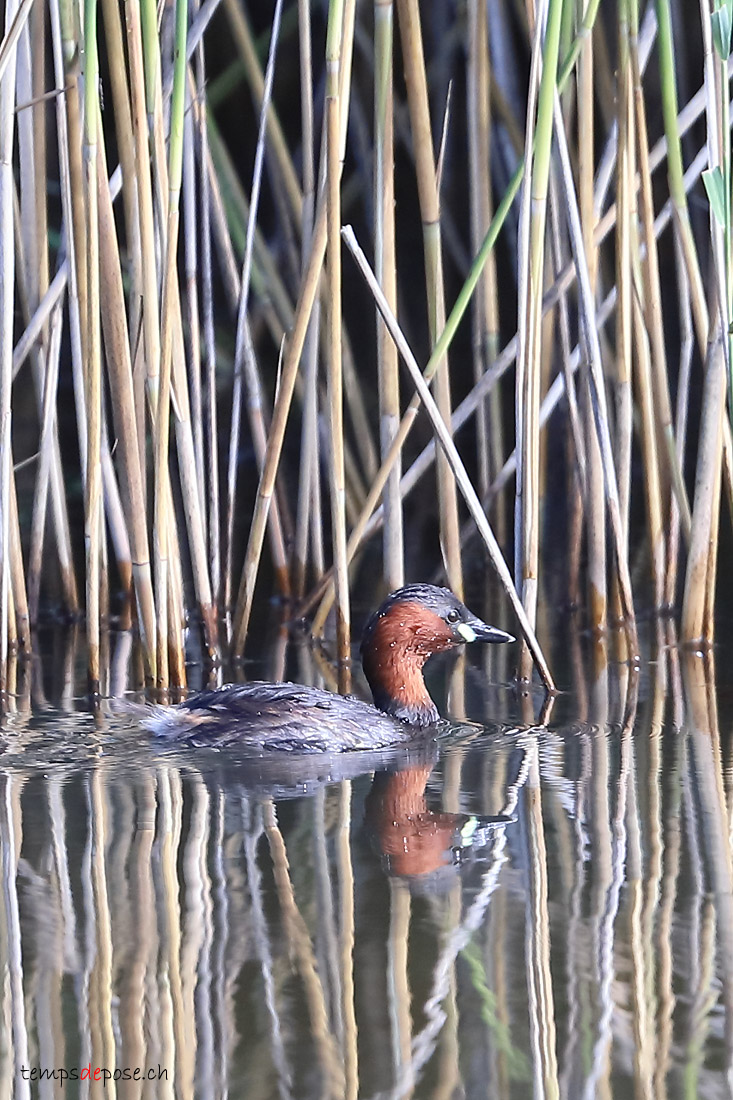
(413, 623)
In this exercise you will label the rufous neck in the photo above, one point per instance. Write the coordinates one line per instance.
(398, 688)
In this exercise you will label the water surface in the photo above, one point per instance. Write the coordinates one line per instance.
(508, 910)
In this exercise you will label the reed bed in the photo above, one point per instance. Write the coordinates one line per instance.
(208, 370)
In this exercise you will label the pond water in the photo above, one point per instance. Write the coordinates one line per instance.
(509, 910)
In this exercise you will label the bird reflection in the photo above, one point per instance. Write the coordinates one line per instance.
(421, 845)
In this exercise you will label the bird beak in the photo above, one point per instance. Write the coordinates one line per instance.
(477, 631)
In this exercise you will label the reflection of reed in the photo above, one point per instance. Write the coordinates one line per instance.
(100, 977)
(346, 894)
(398, 986)
(302, 950)
(537, 961)
(253, 832)
(457, 938)
(199, 925)
(13, 1014)
(326, 937)
(670, 850)
(612, 829)
(707, 772)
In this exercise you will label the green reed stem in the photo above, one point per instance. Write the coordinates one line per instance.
(675, 171)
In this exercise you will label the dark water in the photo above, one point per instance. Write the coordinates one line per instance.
(506, 911)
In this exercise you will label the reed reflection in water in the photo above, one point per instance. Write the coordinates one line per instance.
(510, 912)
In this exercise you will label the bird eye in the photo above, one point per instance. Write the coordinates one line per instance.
(453, 616)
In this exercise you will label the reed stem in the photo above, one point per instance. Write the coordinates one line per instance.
(386, 272)
(93, 364)
(545, 54)
(446, 442)
(427, 183)
(334, 39)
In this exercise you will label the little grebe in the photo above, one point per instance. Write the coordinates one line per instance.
(412, 624)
